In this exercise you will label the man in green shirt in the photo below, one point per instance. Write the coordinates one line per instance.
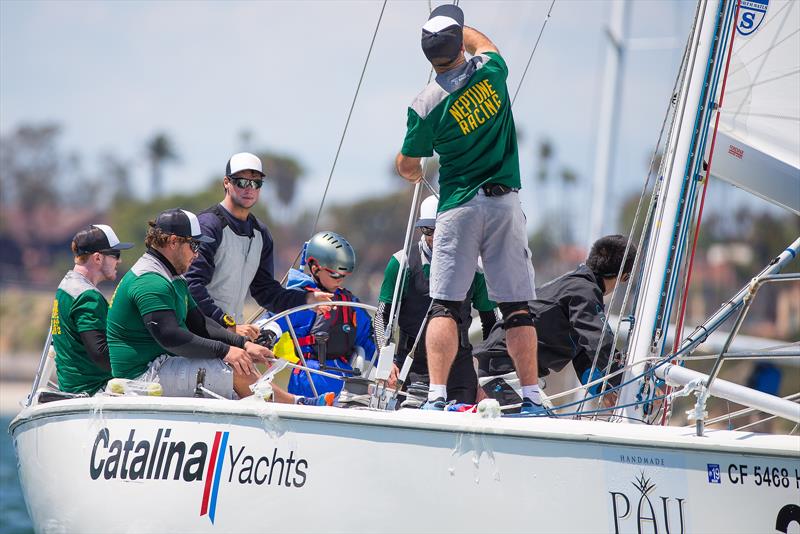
(156, 332)
(462, 381)
(465, 116)
(78, 322)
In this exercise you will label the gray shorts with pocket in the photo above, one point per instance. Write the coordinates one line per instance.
(178, 375)
(492, 228)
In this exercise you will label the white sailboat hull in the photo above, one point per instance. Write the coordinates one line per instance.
(115, 465)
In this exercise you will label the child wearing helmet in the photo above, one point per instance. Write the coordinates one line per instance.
(336, 334)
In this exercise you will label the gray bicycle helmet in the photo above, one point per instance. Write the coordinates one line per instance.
(331, 251)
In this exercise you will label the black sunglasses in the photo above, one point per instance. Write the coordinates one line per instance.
(113, 253)
(427, 230)
(244, 183)
(193, 243)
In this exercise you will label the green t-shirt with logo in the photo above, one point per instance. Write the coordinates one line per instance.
(78, 307)
(146, 288)
(465, 116)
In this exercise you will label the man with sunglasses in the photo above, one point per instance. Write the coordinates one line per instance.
(156, 333)
(78, 321)
(462, 382)
(239, 259)
(570, 315)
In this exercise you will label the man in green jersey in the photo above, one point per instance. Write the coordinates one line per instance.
(78, 322)
(465, 116)
(462, 382)
(156, 332)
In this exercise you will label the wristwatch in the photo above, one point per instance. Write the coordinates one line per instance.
(228, 321)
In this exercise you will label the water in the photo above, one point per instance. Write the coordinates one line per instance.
(13, 514)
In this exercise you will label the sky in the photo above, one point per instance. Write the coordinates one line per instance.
(115, 73)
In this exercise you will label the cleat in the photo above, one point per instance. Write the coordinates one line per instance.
(533, 408)
(437, 405)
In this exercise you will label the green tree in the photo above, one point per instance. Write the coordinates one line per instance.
(30, 164)
(283, 172)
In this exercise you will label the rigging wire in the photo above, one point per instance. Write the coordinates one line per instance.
(690, 264)
(338, 148)
(349, 115)
(638, 261)
(535, 46)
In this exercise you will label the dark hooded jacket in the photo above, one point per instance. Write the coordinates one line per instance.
(569, 323)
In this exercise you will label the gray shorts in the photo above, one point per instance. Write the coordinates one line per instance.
(178, 375)
(494, 229)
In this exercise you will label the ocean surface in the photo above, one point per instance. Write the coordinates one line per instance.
(13, 514)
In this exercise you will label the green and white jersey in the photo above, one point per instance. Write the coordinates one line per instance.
(478, 290)
(146, 288)
(78, 307)
(465, 116)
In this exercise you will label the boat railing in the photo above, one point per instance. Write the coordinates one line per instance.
(41, 370)
(703, 386)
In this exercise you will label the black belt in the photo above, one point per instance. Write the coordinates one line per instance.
(497, 190)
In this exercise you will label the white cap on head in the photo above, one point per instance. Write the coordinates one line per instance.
(243, 161)
(427, 212)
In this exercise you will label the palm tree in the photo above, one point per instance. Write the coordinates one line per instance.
(283, 172)
(160, 150)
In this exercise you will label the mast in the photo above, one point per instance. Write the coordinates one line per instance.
(677, 178)
(616, 34)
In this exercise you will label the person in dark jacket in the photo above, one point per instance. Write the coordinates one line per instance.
(570, 315)
(240, 256)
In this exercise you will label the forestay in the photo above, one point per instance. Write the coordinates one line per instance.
(759, 129)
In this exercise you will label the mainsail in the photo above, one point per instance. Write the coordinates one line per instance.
(759, 131)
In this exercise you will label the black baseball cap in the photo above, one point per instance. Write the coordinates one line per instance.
(97, 238)
(442, 35)
(182, 223)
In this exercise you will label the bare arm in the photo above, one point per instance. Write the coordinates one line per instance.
(409, 168)
(477, 43)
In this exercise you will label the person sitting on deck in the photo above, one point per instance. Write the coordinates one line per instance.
(335, 335)
(569, 317)
(157, 333)
(78, 321)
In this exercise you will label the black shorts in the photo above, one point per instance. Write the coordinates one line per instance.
(462, 382)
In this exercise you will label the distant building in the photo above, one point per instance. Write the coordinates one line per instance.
(35, 242)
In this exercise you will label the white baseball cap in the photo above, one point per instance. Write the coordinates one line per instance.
(427, 212)
(243, 161)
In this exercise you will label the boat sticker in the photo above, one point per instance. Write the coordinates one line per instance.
(713, 473)
(208, 465)
(751, 15)
(647, 491)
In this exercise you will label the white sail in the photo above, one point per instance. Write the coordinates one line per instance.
(758, 143)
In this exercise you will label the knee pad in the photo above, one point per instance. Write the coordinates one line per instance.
(512, 318)
(445, 308)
